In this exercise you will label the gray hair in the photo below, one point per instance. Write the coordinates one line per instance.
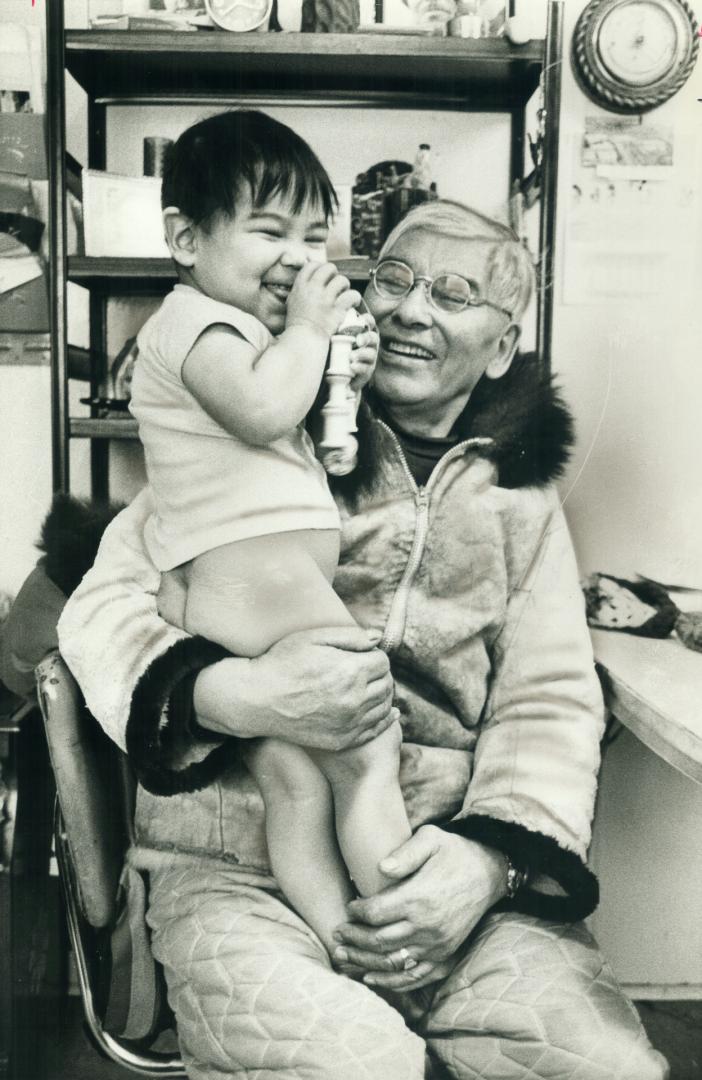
(510, 278)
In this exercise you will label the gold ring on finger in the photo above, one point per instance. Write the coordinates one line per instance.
(408, 961)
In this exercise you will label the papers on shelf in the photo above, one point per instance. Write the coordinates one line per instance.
(154, 20)
(17, 268)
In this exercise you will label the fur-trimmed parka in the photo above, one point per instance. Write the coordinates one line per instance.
(472, 582)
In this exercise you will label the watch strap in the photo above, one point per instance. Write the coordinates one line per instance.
(516, 879)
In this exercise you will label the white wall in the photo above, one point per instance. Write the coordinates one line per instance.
(631, 365)
(25, 467)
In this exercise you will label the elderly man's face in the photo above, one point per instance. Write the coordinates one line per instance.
(430, 360)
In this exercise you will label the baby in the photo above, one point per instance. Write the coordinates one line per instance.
(244, 523)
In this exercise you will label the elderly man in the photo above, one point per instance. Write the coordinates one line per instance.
(456, 556)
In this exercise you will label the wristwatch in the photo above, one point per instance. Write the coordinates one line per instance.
(516, 879)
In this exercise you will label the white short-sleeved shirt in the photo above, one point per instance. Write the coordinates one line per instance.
(209, 487)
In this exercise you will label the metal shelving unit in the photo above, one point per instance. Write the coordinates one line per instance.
(116, 275)
(214, 67)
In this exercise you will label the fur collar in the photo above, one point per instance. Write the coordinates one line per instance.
(70, 537)
(530, 426)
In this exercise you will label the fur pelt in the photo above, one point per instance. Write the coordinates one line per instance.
(70, 537)
(151, 742)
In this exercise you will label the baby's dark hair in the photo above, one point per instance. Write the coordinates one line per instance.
(208, 165)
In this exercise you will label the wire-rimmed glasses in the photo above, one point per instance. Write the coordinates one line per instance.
(394, 280)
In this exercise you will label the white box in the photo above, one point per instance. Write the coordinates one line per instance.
(122, 215)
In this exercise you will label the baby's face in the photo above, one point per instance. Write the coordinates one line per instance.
(252, 259)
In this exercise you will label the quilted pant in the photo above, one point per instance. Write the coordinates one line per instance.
(256, 999)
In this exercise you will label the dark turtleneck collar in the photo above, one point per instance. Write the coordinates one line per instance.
(422, 452)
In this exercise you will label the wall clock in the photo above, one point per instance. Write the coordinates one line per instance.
(632, 55)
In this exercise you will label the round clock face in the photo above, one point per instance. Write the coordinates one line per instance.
(639, 43)
(239, 15)
(631, 55)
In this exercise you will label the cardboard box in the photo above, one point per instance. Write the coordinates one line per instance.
(122, 215)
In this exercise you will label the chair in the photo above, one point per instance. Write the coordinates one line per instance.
(95, 792)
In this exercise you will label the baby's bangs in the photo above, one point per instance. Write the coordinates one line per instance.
(299, 178)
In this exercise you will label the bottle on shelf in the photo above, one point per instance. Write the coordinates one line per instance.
(420, 178)
(155, 149)
(415, 187)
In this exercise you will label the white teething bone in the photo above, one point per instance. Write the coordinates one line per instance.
(338, 445)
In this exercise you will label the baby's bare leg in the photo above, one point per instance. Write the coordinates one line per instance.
(371, 819)
(252, 593)
(246, 596)
(302, 844)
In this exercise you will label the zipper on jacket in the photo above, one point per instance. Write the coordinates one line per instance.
(395, 625)
(397, 617)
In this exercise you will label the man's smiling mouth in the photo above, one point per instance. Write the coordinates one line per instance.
(406, 350)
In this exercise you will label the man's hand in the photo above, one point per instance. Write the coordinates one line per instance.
(323, 689)
(364, 353)
(406, 936)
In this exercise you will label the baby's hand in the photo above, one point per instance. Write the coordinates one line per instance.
(320, 297)
(365, 352)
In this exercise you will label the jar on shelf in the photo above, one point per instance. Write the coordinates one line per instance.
(416, 187)
(479, 18)
(330, 16)
(433, 15)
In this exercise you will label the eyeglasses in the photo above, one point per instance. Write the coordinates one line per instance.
(448, 292)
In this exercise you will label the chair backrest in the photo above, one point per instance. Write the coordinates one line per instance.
(94, 825)
(92, 787)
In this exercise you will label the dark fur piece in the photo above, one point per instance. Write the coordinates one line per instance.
(539, 854)
(150, 742)
(530, 426)
(660, 625)
(70, 537)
